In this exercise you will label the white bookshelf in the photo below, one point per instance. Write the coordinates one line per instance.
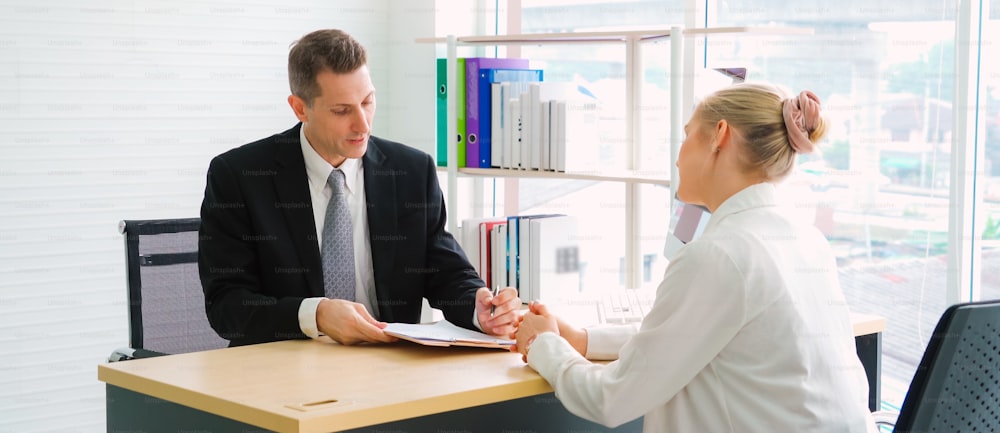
(614, 37)
(632, 177)
(626, 176)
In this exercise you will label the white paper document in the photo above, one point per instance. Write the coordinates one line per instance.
(444, 333)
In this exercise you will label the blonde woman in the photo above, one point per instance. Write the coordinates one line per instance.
(749, 331)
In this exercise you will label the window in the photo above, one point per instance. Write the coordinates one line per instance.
(880, 190)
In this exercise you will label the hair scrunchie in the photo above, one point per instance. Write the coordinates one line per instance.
(801, 119)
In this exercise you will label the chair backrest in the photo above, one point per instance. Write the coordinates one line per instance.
(957, 384)
(166, 303)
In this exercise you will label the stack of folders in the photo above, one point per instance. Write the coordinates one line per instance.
(549, 126)
(473, 94)
(536, 254)
(508, 117)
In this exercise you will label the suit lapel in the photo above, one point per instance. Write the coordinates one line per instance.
(292, 190)
(380, 195)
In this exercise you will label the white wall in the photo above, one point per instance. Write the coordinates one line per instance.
(111, 110)
(409, 70)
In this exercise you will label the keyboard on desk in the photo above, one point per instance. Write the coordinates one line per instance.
(624, 306)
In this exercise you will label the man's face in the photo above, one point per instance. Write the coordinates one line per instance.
(339, 121)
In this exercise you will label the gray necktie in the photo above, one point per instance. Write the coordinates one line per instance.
(338, 242)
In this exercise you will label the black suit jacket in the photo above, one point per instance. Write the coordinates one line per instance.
(258, 254)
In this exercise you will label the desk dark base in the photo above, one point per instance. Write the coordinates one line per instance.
(869, 349)
(130, 411)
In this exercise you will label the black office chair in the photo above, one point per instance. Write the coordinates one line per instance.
(166, 303)
(957, 384)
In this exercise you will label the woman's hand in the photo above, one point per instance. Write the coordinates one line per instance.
(536, 321)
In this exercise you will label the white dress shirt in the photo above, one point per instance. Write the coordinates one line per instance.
(318, 170)
(749, 332)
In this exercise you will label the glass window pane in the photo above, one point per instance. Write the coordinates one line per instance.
(656, 223)
(988, 183)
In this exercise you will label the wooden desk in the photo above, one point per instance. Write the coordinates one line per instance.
(305, 386)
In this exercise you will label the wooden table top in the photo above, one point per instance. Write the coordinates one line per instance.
(309, 386)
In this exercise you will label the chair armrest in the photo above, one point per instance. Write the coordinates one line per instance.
(127, 353)
(884, 418)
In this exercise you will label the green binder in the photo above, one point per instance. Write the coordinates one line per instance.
(442, 112)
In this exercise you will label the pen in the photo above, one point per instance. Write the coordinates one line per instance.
(493, 308)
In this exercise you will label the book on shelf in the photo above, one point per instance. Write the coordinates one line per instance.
(492, 104)
(486, 250)
(460, 122)
(545, 145)
(523, 254)
(442, 113)
(557, 132)
(526, 252)
(498, 259)
(443, 142)
(511, 252)
(531, 253)
(554, 265)
(548, 126)
(530, 250)
(577, 132)
(476, 103)
(470, 240)
(512, 134)
(544, 124)
(531, 114)
(518, 253)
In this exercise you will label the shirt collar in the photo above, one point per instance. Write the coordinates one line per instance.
(318, 170)
(754, 196)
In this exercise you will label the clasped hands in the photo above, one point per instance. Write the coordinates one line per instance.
(537, 320)
(350, 323)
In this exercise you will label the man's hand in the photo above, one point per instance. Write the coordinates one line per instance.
(504, 307)
(349, 323)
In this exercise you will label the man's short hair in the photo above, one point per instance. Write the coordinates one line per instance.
(322, 50)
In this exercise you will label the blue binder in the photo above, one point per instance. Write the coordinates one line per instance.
(487, 77)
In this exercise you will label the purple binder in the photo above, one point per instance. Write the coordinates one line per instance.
(472, 92)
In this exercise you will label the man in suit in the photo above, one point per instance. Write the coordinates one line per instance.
(265, 215)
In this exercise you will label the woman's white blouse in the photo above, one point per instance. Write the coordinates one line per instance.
(749, 332)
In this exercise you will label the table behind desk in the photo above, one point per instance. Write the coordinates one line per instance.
(304, 386)
(868, 330)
